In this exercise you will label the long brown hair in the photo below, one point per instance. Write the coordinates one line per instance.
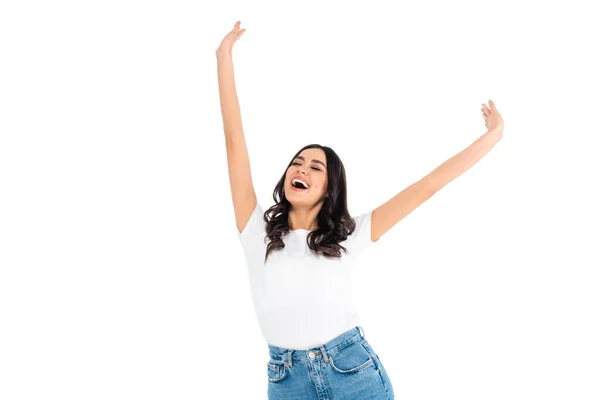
(334, 222)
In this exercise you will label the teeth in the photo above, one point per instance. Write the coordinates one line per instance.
(298, 180)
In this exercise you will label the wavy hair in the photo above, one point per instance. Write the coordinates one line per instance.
(334, 221)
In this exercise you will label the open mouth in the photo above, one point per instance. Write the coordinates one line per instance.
(298, 185)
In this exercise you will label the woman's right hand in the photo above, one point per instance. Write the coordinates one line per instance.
(229, 40)
(493, 119)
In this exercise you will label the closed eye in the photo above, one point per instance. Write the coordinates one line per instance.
(312, 167)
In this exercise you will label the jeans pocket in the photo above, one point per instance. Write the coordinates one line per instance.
(276, 370)
(352, 358)
(383, 373)
(370, 350)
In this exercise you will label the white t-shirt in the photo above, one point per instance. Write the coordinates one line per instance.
(301, 300)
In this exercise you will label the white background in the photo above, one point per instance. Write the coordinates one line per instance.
(121, 276)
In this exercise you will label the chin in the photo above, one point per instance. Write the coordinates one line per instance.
(296, 201)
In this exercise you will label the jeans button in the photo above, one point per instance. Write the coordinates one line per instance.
(311, 354)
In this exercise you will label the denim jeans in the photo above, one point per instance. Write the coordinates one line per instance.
(345, 368)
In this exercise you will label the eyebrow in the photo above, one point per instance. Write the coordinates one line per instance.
(314, 160)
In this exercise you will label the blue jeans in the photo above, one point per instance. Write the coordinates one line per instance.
(345, 368)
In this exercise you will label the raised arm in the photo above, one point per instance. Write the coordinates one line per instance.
(390, 213)
(238, 161)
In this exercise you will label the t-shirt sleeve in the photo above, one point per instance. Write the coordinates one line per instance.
(254, 229)
(360, 239)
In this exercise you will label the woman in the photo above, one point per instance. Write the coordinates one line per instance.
(300, 279)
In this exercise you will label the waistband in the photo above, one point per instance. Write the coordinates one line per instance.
(288, 356)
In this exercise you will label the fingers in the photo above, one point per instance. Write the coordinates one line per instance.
(236, 30)
(485, 112)
(489, 112)
(492, 106)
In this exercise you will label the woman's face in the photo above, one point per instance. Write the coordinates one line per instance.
(311, 167)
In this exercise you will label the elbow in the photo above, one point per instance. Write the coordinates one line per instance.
(433, 183)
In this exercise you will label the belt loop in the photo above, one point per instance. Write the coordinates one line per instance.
(324, 352)
(361, 331)
(289, 362)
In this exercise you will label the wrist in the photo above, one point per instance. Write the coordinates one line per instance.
(497, 133)
(223, 53)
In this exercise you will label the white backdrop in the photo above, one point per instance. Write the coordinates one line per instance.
(121, 276)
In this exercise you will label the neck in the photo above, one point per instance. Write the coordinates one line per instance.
(302, 218)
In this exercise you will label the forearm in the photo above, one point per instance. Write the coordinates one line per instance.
(458, 164)
(230, 107)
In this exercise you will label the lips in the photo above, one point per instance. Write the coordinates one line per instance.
(300, 178)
